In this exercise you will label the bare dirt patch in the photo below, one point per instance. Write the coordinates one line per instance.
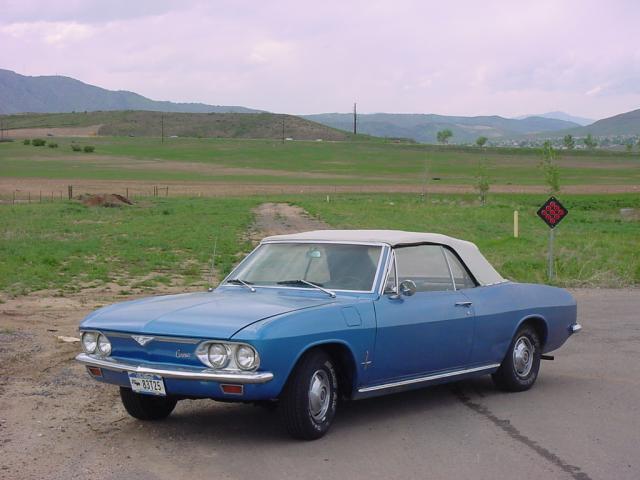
(32, 188)
(90, 131)
(282, 218)
(104, 200)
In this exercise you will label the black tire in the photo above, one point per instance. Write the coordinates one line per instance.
(146, 407)
(306, 416)
(514, 374)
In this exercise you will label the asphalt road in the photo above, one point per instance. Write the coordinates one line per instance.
(580, 421)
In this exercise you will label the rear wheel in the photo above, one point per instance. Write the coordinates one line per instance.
(519, 369)
(309, 399)
(146, 407)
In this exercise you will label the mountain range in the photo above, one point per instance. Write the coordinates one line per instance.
(58, 94)
(424, 127)
(561, 116)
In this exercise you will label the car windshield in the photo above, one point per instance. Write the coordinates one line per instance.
(329, 265)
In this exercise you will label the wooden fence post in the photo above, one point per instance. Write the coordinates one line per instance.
(70, 192)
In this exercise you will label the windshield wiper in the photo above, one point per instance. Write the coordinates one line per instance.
(304, 282)
(237, 281)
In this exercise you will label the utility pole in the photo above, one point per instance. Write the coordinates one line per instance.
(355, 120)
(162, 123)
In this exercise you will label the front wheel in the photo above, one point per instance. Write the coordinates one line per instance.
(309, 399)
(146, 407)
(519, 369)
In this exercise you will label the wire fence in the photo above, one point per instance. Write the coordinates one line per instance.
(133, 192)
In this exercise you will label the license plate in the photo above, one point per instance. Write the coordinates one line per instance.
(147, 384)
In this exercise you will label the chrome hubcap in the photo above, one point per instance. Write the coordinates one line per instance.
(319, 395)
(523, 356)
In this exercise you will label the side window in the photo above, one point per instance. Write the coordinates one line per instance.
(460, 274)
(426, 266)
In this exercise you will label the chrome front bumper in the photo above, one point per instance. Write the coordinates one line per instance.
(200, 374)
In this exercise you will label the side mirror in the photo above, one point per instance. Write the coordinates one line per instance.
(408, 288)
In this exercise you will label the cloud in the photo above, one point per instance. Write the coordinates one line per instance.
(491, 57)
(51, 33)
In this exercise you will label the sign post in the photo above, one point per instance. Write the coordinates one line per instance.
(551, 212)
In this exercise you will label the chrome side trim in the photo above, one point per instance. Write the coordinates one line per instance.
(575, 328)
(427, 378)
(181, 373)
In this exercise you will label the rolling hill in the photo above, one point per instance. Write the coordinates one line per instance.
(56, 94)
(153, 124)
(623, 124)
(424, 127)
(561, 116)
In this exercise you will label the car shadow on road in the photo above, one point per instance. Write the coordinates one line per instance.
(209, 421)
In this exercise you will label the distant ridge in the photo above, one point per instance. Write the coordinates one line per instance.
(424, 127)
(627, 123)
(561, 116)
(138, 123)
(58, 94)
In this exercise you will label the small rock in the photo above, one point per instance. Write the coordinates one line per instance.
(65, 339)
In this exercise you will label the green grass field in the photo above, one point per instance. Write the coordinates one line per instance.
(68, 247)
(304, 162)
(594, 245)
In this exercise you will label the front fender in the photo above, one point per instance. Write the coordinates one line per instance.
(281, 341)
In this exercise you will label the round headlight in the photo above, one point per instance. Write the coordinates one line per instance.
(89, 342)
(104, 345)
(246, 357)
(218, 355)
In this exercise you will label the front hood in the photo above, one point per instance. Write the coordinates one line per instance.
(217, 314)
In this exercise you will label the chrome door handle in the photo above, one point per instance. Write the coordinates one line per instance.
(464, 304)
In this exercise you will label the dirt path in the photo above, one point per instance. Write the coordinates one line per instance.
(282, 218)
(33, 188)
(55, 422)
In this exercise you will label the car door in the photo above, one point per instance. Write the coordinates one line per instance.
(429, 331)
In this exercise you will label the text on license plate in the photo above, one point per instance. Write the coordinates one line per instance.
(147, 383)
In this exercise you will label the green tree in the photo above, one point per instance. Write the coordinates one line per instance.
(480, 141)
(483, 181)
(590, 142)
(550, 169)
(444, 136)
(569, 142)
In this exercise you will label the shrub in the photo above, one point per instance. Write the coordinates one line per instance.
(26, 141)
(38, 142)
(76, 148)
(53, 145)
(89, 148)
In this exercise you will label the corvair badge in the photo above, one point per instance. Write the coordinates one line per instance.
(181, 354)
(141, 339)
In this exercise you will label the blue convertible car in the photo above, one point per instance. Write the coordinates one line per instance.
(310, 318)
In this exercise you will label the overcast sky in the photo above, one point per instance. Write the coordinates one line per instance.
(449, 57)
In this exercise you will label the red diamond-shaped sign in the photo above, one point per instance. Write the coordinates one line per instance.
(552, 212)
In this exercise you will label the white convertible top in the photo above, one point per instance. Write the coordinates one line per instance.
(481, 269)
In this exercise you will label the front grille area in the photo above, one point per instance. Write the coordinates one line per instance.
(160, 349)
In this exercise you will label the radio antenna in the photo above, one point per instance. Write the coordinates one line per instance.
(213, 264)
